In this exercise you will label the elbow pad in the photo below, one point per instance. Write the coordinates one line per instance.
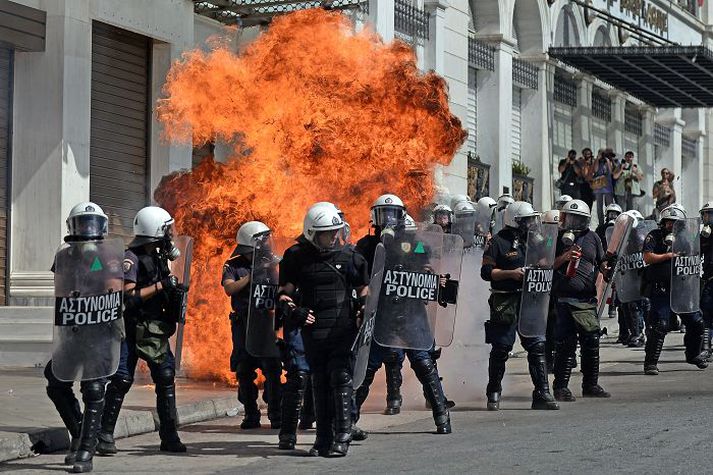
(486, 272)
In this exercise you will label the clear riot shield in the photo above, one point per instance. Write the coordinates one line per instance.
(617, 237)
(498, 221)
(88, 324)
(483, 225)
(686, 266)
(181, 268)
(629, 267)
(537, 283)
(260, 340)
(450, 267)
(408, 300)
(362, 343)
(464, 226)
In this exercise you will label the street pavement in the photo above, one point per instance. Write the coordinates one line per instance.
(651, 424)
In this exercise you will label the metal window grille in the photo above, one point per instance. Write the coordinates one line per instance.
(662, 135)
(235, 11)
(524, 74)
(601, 106)
(480, 54)
(632, 120)
(689, 147)
(565, 91)
(410, 21)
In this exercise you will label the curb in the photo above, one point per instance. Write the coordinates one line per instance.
(15, 445)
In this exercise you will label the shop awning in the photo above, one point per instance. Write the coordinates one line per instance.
(663, 76)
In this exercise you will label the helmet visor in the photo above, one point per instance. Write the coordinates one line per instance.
(88, 226)
(574, 222)
(527, 222)
(612, 215)
(386, 216)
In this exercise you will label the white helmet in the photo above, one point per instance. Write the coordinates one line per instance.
(387, 210)
(551, 217)
(677, 206)
(612, 211)
(515, 214)
(635, 214)
(562, 200)
(673, 213)
(463, 208)
(504, 201)
(247, 234)
(485, 205)
(442, 209)
(456, 199)
(152, 222)
(320, 218)
(410, 223)
(87, 220)
(575, 216)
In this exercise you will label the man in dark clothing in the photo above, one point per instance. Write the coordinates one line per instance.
(658, 255)
(707, 291)
(570, 173)
(236, 282)
(579, 257)
(325, 276)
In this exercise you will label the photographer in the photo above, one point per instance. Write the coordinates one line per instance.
(570, 173)
(663, 192)
(600, 178)
(627, 176)
(586, 163)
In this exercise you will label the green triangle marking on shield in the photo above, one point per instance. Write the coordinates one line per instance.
(96, 265)
(419, 248)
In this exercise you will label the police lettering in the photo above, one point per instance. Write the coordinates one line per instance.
(687, 265)
(263, 296)
(631, 262)
(538, 280)
(94, 310)
(411, 285)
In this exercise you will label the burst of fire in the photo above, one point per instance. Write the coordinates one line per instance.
(315, 112)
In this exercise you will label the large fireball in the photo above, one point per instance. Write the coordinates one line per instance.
(315, 112)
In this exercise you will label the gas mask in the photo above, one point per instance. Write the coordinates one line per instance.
(669, 239)
(170, 250)
(707, 219)
(568, 238)
(706, 231)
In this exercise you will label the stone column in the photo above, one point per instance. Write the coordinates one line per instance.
(381, 13)
(582, 114)
(615, 128)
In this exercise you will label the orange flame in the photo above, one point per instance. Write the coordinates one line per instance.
(315, 112)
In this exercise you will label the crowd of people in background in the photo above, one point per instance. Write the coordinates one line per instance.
(605, 179)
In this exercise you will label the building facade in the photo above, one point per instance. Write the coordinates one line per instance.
(79, 80)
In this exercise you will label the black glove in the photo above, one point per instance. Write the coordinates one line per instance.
(169, 283)
(299, 315)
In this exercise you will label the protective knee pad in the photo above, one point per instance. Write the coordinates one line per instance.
(423, 367)
(536, 348)
(165, 376)
(435, 353)
(120, 384)
(296, 381)
(340, 377)
(92, 391)
(697, 324)
(589, 340)
(392, 358)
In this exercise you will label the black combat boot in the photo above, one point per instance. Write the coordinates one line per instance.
(291, 400)
(247, 395)
(428, 376)
(393, 388)
(589, 343)
(654, 346)
(496, 372)
(113, 399)
(541, 397)
(322, 409)
(342, 396)
(93, 397)
(694, 340)
(707, 343)
(565, 360)
(68, 408)
(168, 419)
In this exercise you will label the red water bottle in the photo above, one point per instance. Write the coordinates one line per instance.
(573, 265)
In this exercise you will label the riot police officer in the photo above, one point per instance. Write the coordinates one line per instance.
(658, 254)
(236, 281)
(503, 202)
(707, 292)
(317, 281)
(551, 217)
(503, 262)
(561, 201)
(388, 211)
(579, 258)
(443, 217)
(151, 294)
(86, 223)
(610, 214)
